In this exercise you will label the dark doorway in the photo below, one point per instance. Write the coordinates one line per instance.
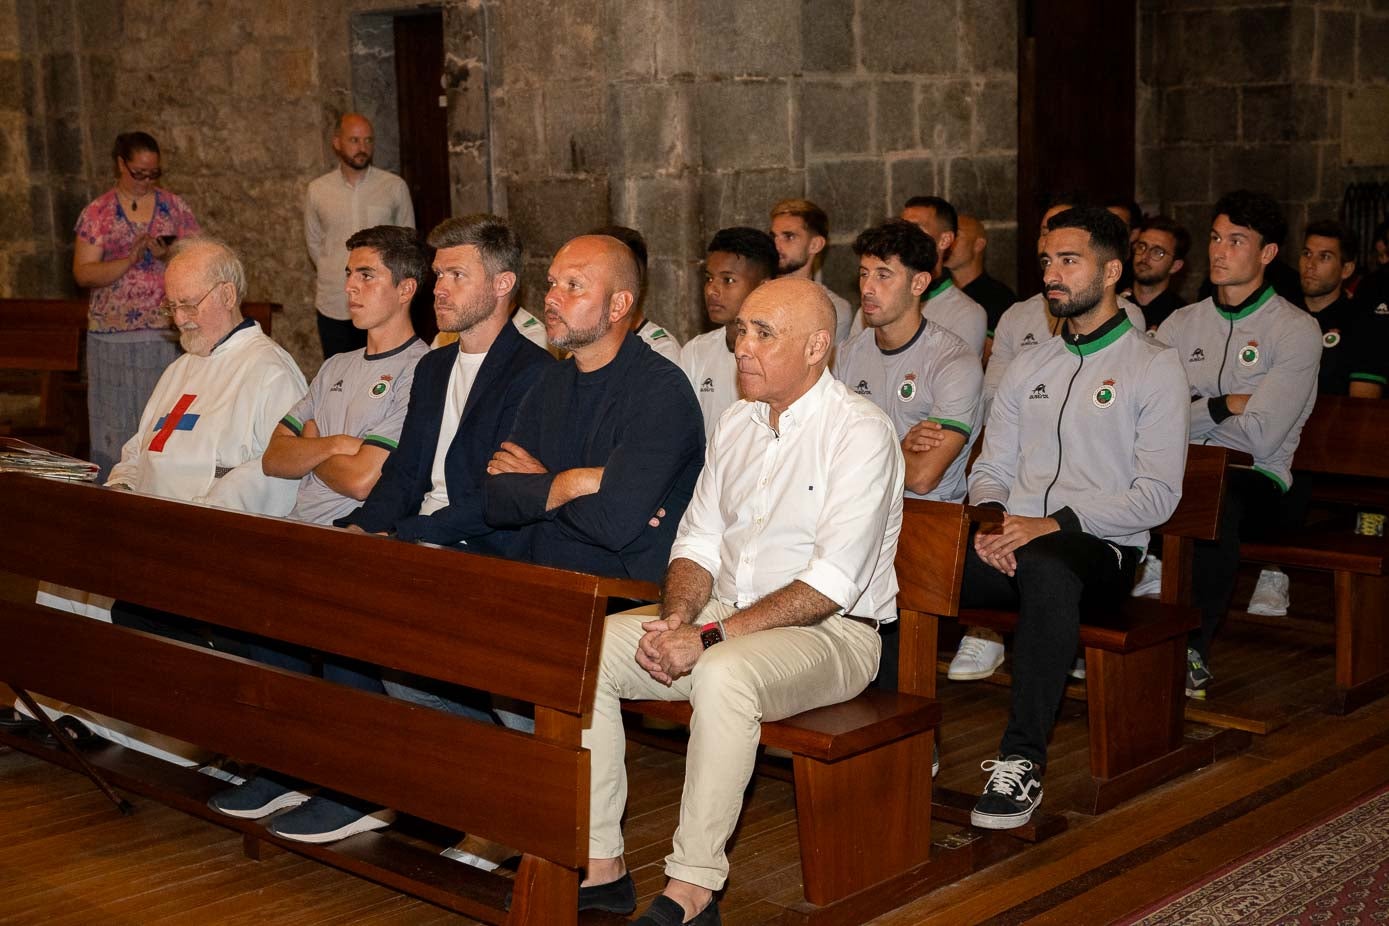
(1076, 109)
(424, 145)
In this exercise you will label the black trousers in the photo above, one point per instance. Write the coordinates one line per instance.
(1254, 506)
(1059, 577)
(339, 336)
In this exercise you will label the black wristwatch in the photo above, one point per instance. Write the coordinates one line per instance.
(710, 634)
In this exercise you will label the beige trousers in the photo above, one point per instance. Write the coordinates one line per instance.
(735, 686)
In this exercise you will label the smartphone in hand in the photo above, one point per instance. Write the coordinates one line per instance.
(166, 240)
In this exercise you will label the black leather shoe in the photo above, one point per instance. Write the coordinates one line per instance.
(666, 912)
(618, 896)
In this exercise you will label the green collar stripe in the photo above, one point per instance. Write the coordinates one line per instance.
(939, 288)
(1282, 486)
(1250, 309)
(950, 424)
(1369, 378)
(1114, 334)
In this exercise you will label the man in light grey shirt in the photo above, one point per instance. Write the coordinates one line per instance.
(339, 204)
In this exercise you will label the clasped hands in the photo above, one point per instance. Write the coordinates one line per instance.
(998, 545)
(669, 649)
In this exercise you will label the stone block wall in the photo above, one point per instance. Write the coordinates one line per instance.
(1286, 96)
(675, 116)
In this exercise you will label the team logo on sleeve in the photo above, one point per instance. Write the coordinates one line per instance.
(1104, 396)
(1249, 354)
(381, 386)
(907, 391)
(1029, 340)
(1331, 338)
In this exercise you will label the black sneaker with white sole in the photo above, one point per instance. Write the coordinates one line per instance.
(1014, 790)
(256, 797)
(326, 820)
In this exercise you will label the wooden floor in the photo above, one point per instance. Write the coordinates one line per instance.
(67, 857)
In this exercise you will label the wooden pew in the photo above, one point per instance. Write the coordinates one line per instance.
(1135, 657)
(47, 336)
(517, 630)
(1346, 438)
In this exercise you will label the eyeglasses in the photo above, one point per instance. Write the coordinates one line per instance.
(191, 309)
(135, 174)
(1142, 247)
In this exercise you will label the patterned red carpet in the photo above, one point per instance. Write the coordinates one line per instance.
(1335, 872)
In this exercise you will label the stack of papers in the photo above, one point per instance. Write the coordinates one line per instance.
(17, 456)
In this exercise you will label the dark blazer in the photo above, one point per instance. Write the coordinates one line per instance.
(512, 366)
(638, 419)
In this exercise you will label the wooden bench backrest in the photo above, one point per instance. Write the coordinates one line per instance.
(71, 315)
(1203, 492)
(1345, 436)
(518, 630)
(41, 334)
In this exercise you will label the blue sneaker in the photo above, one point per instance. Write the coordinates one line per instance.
(324, 820)
(259, 796)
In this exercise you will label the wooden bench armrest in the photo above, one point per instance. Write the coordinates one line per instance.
(635, 589)
(985, 516)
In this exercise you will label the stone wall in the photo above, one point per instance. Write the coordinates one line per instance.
(1287, 97)
(675, 116)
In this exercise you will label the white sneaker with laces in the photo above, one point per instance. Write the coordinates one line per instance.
(1148, 582)
(980, 652)
(1270, 598)
(1013, 792)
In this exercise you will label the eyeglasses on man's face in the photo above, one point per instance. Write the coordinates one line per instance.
(191, 309)
(1142, 247)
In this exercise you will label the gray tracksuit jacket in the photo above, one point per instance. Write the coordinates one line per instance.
(1265, 347)
(1089, 430)
(1025, 325)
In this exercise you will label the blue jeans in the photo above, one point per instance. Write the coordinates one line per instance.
(465, 702)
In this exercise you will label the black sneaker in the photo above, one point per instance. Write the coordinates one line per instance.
(324, 820)
(1013, 792)
(259, 796)
(1198, 675)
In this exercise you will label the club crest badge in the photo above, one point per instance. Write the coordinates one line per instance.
(381, 386)
(1104, 396)
(1249, 354)
(1331, 338)
(907, 391)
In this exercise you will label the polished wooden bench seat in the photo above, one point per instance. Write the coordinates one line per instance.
(1344, 437)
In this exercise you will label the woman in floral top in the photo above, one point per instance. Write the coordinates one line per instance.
(122, 238)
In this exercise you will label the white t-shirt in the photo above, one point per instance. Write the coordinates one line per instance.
(712, 371)
(461, 379)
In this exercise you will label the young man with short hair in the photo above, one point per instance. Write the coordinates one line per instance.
(1251, 358)
(1085, 453)
(737, 261)
(1159, 253)
(801, 231)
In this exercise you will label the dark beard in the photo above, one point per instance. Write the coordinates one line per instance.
(1079, 303)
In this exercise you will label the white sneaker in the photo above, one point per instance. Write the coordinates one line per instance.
(981, 651)
(1078, 670)
(468, 858)
(1270, 598)
(1148, 581)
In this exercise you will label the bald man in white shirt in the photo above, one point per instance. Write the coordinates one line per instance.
(780, 574)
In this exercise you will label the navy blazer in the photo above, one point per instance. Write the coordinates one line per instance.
(511, 367)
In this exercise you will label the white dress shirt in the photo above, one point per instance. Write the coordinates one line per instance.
(818, 499)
